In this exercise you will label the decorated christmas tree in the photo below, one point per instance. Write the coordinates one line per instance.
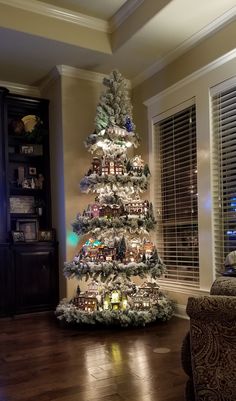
(116, 248)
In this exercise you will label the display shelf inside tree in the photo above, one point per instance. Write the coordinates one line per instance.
(117, 225)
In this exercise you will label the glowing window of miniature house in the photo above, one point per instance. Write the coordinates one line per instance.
(124, 303)
(105, 167)
(91, 304)
(148, 249)
(96, 164)
(112, 168)
(106, 302)
(95, 210)
(145, 206)
(115, 300)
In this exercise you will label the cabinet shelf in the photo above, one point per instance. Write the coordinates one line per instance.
(20, 139)
(26, 191)
(17, 216)
(22, 158)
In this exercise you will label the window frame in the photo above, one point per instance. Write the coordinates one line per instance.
(219, 253)
(161, 226)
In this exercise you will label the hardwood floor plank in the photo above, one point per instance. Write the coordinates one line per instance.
(43, 361)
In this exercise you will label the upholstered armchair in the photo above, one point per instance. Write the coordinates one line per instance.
(209, 349)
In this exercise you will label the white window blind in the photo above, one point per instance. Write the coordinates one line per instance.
(224, 177)
(176, 196)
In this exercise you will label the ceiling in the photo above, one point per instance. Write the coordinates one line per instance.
(138, 37)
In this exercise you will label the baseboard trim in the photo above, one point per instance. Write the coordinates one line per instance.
(180, 311)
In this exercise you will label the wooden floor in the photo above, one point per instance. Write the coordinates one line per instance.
(41, 361)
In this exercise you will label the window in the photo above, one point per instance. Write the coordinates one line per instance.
(224, 177)
(176, 196)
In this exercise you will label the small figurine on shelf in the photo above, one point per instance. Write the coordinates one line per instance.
(39, 205)
(32, 182)
(40, 181)
(26, 183)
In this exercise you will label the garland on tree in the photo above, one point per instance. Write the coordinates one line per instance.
(83, 225)
(93, 182)
(103, 140)
(162, 311)
(103, 270)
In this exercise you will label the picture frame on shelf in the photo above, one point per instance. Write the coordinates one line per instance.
(32, 170)
(27, 149)
(18, 236)
(46, 235)
(22, 204)
(29, 227)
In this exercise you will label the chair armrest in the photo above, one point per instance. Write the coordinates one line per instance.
(224, 286)
(213, 347)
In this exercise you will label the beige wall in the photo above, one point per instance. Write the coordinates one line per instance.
(73, 104)
(79, 101)
(52, 91)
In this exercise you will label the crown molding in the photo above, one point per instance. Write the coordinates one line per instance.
(123, 13)
(62, 14)
(73, 72)
(20, 89)
(208, 30)
(66, 70)
(51, 77)
(192, 77)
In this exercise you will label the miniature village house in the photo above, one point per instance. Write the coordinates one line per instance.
(115, 301)
(148, 248)
(109, 210)
(96, 250)
(141, 302)
(149, 289)
(92, 210)
(112, 167)
(87, 301)
(117, 131)
(137, 207)
(95, 210)
(96, 166)
(106, 253)
(106, 166)
(137, 164)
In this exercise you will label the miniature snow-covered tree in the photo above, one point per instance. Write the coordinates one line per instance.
(117, 225)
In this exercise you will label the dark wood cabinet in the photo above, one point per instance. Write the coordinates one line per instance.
(28, 265)
(35, 277)
(6, 290)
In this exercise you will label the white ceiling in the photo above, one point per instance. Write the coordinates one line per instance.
(135, 36)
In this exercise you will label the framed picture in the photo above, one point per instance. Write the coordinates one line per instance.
(46, 235)
(22, 204)
(29, 228)
(18, 236)
(27, 149)
(32, 171)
